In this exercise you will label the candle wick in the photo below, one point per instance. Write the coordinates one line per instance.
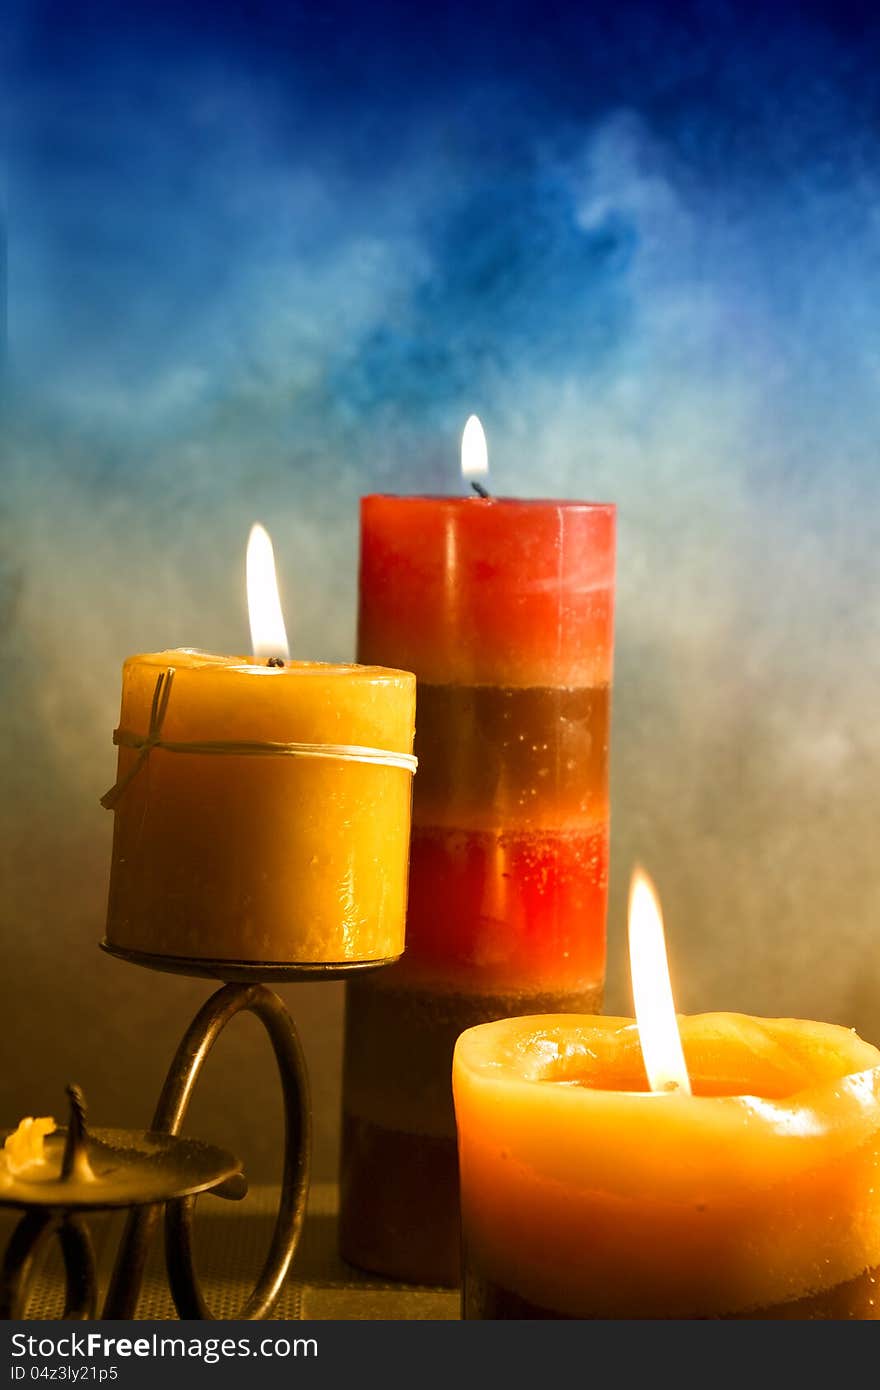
(275, 661)
(478, 488)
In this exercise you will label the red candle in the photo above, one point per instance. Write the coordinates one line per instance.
(503, 608)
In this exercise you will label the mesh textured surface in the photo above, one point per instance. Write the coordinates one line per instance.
(231, 1239)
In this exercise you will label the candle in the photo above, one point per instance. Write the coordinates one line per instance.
(503, 609)
(262, 805)
(612, 1169)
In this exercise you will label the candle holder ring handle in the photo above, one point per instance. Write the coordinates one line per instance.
(26, 1244)
(203, 1032)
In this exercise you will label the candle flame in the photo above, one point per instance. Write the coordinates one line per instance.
(652, 991)
(268, 637)
(474, 452)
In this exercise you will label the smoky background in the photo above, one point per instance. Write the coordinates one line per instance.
(255, 273)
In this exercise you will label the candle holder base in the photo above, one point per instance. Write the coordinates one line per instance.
(244, 971)
(85, 1170)
(244, 990)
(200, 1037)
(26, 1244)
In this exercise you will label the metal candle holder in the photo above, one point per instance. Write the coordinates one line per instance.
(97, 1170)
(190, 1166)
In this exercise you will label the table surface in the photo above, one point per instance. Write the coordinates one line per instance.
(231, 1239)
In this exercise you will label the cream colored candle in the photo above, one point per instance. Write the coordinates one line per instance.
(253, 850)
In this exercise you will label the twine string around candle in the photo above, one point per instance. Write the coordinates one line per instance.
(145, 743)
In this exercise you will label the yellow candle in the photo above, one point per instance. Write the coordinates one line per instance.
(586, 1195)
(267, 853)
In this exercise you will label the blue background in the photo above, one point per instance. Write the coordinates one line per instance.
(265, 258)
